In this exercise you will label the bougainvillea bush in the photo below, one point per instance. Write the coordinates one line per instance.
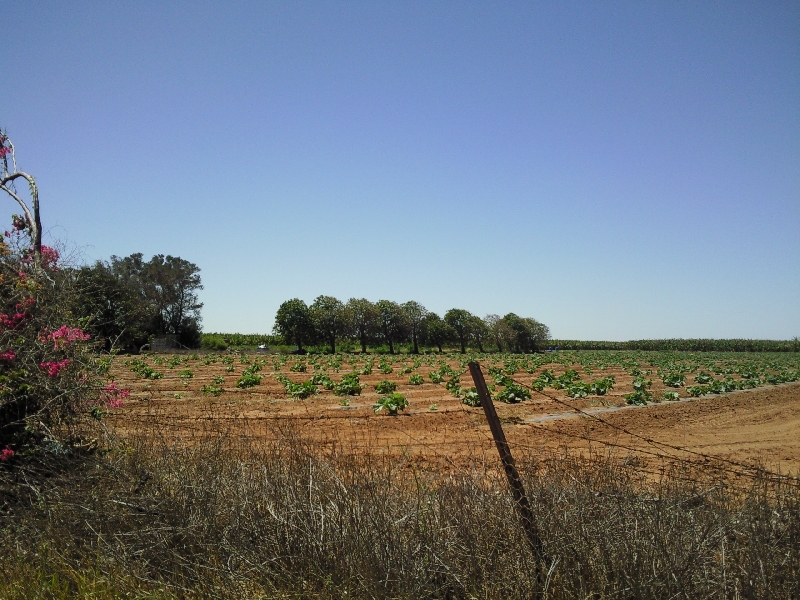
(50, 375)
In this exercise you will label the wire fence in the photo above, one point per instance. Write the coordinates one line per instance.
(470, 441)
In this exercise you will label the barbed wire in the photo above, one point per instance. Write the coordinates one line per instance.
(750, 470)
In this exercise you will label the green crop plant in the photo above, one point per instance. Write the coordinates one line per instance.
(436, 377)
(212, 390)
(416, 379)
(471, 397)
(301, 390)
(324, 380)
(601, 387)
(640, 395)
(512, 394)
(385, 387)
(230, 369)
(248, 379)
(578, 389)
(453, 385)
(702, 377)
(671, 395)
(675, 380)
(218, 379)
(566, 379)
(695, 391)
(298, 367)
(348, 386)
(385, 368)
(391, 403)
(186, 374)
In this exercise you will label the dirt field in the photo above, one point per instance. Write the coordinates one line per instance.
(760, 426)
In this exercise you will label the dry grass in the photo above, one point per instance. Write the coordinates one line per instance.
(270, 516)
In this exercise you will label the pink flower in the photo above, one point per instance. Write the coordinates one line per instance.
(6, 454)
(8, 322)
(7, 356)
(54, 368)
(50, 257)
(64, 336)
(115, 395)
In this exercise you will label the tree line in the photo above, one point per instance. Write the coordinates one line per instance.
(328, 320)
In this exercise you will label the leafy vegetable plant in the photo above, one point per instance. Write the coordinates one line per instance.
(385, 387)
(391, 403)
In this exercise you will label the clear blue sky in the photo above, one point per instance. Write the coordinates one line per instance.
(615, 170)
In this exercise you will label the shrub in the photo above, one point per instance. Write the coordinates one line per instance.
(50, 377)
(213, 342)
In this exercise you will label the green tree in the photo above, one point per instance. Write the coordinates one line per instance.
(435, 331)
(501, 333)
(393, 322)
(171, 284)
(113, 308)
(479, 331)
(415, 313)
(529, 334)
(127, 299)
(294, 323)
(328, 315)
(461, 321)
(363, 317)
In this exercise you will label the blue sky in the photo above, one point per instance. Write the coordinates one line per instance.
(614, 170)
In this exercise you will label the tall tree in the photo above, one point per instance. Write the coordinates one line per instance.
(501, 333)
(478, 331)
(416, 315)
(393, 322)
(128, 299)
(328, 315)
(294, 323)
(115, 309)
(435, 331)
(171, 283)
(363, 319)
(460, 320)
(529, 334)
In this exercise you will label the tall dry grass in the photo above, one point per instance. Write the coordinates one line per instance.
(271, 515)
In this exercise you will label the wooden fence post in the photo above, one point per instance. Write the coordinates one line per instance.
(514, 481)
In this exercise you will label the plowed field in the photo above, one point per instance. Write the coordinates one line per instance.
(753, 426)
